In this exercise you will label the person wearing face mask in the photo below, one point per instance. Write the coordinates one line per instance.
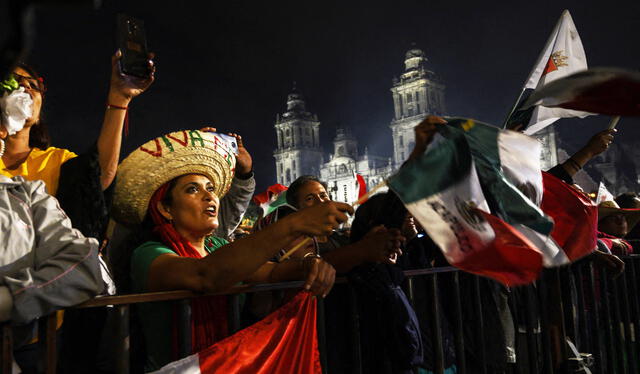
(81, 184)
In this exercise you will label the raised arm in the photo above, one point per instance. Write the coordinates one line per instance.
(122, 90)
(596, 145)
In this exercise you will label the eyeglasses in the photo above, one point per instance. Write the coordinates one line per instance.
(30, 83)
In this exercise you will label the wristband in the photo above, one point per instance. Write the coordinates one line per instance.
(126, 116)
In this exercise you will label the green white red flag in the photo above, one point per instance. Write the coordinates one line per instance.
(442, 190)
(284, 342)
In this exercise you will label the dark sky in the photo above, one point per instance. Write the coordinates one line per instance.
(231, 64)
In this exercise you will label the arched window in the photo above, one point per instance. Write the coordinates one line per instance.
(401, 141)
(288, 175)
(340, 151)
(409, 98)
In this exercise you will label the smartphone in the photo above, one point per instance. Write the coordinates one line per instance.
(132, 42)
(231, 141)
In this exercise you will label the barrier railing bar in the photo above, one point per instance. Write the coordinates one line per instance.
(233, 320)
(322, 334)
(532, 325)
(626, 320)
(459, 336)
(478, 309)
(594, 322)
(123, 349)
(47, 342)
(606, 310)
(635, 306)
(619, 326)
(184, 328)
(435, 321)
(7, 348)
(547, 366)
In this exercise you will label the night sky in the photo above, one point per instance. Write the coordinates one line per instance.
(232, 64)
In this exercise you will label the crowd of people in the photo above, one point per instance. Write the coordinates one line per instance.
(176, 201)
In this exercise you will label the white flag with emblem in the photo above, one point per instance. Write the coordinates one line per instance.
(562, 55)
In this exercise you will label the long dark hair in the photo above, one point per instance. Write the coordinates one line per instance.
(39, 134)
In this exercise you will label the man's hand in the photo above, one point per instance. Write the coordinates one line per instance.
(424, 133)
(244, 162)
(613, 264)
(599, 142)
(318, 220)
(382, 245)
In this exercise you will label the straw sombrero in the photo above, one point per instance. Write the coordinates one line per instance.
(607, 208)
(162, 159)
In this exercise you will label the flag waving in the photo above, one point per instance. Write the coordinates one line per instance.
(562, 55)
(442, 191)
(285, 342)
(611, 91)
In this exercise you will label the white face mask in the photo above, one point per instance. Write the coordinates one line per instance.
(16, 109)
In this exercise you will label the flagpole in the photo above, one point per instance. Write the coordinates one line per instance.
(613, 123)
(513, 109)
(308, 239)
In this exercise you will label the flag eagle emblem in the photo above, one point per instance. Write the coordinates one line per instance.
(556, 60)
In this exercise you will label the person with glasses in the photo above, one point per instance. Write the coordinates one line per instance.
(28, 152)
(82, 184)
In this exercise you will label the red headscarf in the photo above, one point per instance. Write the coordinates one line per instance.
(209, 313)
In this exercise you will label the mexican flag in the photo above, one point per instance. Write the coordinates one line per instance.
(561, 56)
(508, 165)
(271, 199)
(443, 191)
(285, 342)
(574, 214)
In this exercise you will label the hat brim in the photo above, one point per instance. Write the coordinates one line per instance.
(631, 215)
(165, 158)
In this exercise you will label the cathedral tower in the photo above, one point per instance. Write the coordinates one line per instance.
(298, 133)
(417, 94)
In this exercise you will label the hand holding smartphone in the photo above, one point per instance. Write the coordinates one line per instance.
(132, 42)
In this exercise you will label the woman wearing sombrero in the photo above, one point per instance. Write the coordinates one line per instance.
(170, 187)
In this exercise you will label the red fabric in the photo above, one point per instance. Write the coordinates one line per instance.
(285, 342)
(608, 241)
(271, 191)
(575, 217)
(511, 258)
(362, 186)
(209, 313)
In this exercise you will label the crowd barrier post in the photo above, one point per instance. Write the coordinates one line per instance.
(458, 326)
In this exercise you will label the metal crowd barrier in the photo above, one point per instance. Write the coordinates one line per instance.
(581, 303)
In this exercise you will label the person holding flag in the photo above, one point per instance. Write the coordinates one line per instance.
(170, 189)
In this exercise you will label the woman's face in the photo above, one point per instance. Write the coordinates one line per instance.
(194, 205)
(33, 87)
(312, 193)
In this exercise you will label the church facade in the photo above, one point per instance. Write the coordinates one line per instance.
(416, 93)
